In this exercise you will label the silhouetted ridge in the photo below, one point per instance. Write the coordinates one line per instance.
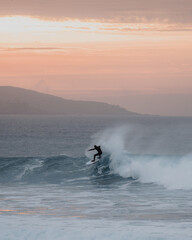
(22, 101)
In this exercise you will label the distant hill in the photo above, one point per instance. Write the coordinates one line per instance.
(22, 101)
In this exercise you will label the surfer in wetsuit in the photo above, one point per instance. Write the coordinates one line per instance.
(99, 152)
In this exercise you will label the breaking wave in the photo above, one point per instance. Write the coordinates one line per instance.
(173, 172)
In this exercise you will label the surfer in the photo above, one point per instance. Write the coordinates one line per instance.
(99, 152)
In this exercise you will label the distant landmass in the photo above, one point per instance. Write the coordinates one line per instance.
(22, 101)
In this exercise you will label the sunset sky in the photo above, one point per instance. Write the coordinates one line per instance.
(132, 53)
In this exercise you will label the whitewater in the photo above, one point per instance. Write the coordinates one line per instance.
(140, 189)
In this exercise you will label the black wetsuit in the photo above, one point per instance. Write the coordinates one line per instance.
(99, 151)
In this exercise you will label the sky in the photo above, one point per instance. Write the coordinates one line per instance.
(132, 53)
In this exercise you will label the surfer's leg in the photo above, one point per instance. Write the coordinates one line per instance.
(95, 156)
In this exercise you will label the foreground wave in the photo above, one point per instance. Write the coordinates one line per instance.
(170, 171)
(38, 170)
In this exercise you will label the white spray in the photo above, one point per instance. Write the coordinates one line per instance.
(173, 172)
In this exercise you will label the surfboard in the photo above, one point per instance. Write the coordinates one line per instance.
(90, 162)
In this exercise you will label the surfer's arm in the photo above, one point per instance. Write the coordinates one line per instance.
(91, 149)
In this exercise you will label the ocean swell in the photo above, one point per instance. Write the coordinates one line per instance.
(41, 170)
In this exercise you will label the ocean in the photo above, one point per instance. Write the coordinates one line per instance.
(141, 189)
